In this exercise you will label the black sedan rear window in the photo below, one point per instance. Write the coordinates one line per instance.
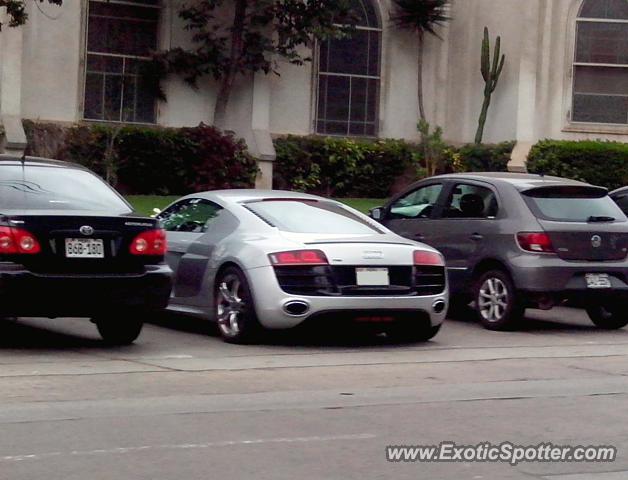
(40, 187)
(573, 204)
(310, 217)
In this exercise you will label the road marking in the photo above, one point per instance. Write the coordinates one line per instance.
(186, 446)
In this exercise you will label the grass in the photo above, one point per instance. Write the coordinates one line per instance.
(146, 203)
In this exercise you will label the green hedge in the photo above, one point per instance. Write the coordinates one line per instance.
(341, 167)
(596, 162)
(485, 157)
(147, 160)
(344, 167)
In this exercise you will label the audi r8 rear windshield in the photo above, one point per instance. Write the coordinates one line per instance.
(304, 216)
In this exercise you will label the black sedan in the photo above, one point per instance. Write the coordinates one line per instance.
(71, 246)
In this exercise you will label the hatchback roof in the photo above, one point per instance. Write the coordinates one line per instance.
(521, 181)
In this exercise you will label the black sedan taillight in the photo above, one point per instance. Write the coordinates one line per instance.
(17, 241)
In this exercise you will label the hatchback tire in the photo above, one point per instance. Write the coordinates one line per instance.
(118, 331)
(234, 308)
(608, 317)
(497, 304)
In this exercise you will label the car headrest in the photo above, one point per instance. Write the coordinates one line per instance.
(472, 205)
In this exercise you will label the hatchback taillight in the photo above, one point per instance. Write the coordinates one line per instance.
(150, 242)
(298, 257)
(538, 242)
(16, 241)
(433, 259)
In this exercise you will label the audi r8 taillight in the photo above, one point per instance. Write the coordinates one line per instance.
(298, 257)
(427, 258)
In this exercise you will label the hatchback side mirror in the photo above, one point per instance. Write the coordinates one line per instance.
(376, 213)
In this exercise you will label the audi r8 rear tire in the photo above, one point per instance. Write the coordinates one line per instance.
(234, 308)
(411, 332)
(118, 330)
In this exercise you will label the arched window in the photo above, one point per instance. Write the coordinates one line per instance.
(600, 90)
(349, 78)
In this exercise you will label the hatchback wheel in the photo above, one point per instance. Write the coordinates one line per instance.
(118, 330)
(235, 311)
(608, 317)
(497, 303)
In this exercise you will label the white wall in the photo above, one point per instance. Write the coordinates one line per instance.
(533, 94)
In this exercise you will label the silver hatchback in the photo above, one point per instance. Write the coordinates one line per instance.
(516, 241)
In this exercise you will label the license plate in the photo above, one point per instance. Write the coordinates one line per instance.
(598, 280)
(84, 248)
(372, 277)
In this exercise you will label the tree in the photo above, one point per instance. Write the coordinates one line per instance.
(16, 11)
(421, 17)
(256, 34)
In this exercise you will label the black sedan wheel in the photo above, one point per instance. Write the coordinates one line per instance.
(235, 312)
(118, 330)
(608, 317)
(497, 303)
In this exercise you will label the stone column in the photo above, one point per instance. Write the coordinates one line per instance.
(526, 104)
(260, 142)
(11, 48)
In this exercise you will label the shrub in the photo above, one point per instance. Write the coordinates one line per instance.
(341, 167)
(150, 160)
(597, 162)
(484, 157)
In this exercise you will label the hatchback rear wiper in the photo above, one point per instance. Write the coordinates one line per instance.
(601, 218)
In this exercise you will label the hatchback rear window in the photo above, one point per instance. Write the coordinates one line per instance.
(573, 204)
(311, 217)
(39, 187)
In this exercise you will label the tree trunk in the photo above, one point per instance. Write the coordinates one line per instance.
(420, 76)
(228, 80)
(482, 121)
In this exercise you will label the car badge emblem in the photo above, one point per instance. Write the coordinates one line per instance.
(372, 254)
(86, 230)
(596, 241)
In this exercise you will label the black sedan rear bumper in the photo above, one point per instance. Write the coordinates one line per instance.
(27, 294)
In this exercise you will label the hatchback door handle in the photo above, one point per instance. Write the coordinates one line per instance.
(477, 236)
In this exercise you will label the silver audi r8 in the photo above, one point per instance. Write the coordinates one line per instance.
(252, 260)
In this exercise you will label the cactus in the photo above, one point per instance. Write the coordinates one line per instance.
(491, 73)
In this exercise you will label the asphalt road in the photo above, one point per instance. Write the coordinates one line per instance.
(180, 404)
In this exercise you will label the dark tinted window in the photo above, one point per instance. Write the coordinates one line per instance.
(622, 201)
(573, 204)
(471, 201)
(192, 215)
(311, 217)
(54, 188)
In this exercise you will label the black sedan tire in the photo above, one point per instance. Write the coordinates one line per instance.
(497, 302)
(234, 308)
(608, 317)
(118, 331)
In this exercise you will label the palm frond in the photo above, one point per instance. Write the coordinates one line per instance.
(421, 16)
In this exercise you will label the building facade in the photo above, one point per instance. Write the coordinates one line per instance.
(566, 75)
